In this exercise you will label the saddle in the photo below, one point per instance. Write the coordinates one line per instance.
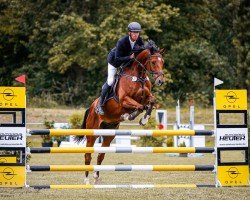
(112, 94)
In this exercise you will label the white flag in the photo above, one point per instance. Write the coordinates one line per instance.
(217, 81)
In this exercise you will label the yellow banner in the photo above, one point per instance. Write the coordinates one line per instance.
(12, 176)
(12, 97)
(7, 159)
(233, 175)
(231, 99)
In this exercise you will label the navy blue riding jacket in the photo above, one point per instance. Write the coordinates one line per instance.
(121, 53)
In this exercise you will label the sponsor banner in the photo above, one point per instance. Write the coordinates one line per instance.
(12, 136)
(233, 175)
(233, 137)
(12, 176)
(231, 99)
(12, 97)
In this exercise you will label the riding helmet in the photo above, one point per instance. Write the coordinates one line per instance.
(134, 26)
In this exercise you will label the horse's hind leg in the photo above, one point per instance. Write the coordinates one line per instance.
(90, 143)
(106, 143)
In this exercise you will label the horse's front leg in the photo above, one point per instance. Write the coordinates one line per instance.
(130, 103)
(144, 120)
(134, 114)
(106, 143)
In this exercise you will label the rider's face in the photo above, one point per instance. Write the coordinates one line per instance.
(134, 35)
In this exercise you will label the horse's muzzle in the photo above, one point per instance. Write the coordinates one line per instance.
(159, 78)
(159, 81)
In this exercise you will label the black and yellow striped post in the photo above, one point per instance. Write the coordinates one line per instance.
(122, 168)
(120, 150)
(115, 132)
(145, 186)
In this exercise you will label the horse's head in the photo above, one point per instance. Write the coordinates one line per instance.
(152, 62)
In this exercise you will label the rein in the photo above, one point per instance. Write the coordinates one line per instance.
(144, 68)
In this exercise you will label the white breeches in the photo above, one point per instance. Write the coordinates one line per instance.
(111, 74)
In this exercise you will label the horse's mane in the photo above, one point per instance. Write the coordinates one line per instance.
(150, 45)
(143, 51)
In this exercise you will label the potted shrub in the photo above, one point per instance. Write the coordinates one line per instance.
(170, 141)
(47, 139)
(182, 154)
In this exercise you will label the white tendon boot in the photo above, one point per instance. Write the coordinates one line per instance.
(86, 181)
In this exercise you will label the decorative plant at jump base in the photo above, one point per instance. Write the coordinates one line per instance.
(170, 141)
(183, 144)
(75, 120)
(47, 139)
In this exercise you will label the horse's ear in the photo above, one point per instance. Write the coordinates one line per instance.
(162, 51)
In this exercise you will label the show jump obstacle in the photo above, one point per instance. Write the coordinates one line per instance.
(230, 139)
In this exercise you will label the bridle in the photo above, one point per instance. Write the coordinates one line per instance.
(143, 73)
(149, 60)
(143, 78)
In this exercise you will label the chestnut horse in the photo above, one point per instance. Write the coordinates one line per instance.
(134, 95)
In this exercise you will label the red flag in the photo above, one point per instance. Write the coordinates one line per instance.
(21, 79)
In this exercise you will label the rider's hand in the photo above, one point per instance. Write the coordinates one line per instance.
(132, 56)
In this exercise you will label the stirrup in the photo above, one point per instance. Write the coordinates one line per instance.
(99, 110)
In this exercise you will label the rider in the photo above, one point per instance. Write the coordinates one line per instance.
(120, 55)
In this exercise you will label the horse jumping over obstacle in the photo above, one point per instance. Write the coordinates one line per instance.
(134, 95)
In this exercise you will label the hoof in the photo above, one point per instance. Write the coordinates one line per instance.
(96, 178)
(97, 181)
(143, 121)
(86, 181)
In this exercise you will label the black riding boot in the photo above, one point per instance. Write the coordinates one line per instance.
(105, 90)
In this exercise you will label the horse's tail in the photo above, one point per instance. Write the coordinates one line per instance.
(79, 139)
(83, 126)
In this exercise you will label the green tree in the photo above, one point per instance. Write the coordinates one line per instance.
(199, 44)
(241, 43)
(62, 45)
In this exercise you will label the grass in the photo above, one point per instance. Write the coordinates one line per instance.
(47, 178)
(202, 115)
